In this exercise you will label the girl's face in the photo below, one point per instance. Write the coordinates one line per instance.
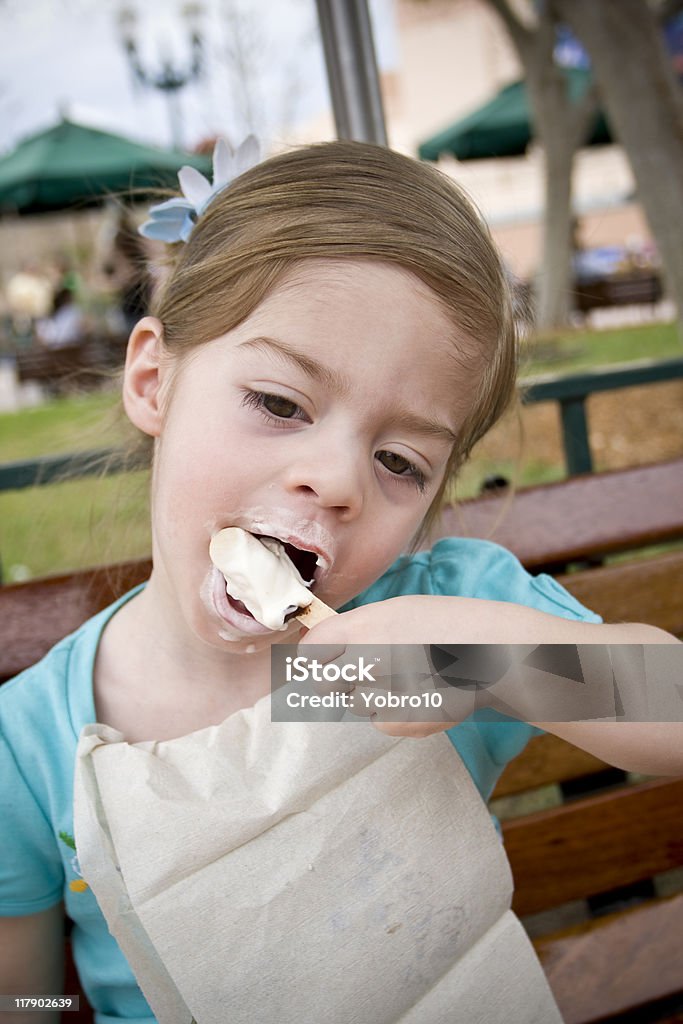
(325, 419)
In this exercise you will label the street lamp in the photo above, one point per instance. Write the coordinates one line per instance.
(169, 79)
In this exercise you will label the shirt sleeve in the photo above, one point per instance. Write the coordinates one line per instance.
(479, 568)
(31, 871)
(489, 740)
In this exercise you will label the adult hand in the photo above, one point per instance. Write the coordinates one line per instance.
(397, 686)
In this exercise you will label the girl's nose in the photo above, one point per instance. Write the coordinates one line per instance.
(332, 479)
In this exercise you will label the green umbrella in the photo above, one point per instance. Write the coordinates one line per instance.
(502, 127)
(70, 165)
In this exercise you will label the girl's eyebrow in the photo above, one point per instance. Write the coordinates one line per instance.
(426, 426)
(335, 381)
(311, 367)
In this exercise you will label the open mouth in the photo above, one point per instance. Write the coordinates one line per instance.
(263, 579)
(305, 562)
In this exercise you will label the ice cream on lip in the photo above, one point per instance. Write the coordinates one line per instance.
(286, 526)
(259, 573)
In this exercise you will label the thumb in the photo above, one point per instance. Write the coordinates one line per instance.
(328, 632)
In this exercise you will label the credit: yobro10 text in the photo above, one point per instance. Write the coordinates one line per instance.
(303, 670)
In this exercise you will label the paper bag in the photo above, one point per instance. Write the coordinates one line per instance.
(295, 872)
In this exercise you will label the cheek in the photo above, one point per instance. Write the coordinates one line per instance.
(187, 484)
(200, 477)
(379, 546)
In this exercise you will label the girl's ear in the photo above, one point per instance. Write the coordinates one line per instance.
(142, 376)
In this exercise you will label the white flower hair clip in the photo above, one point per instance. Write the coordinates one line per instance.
(174, 219)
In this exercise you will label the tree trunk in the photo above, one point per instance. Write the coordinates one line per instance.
(554, 277)
(645, 109)
(560, 127)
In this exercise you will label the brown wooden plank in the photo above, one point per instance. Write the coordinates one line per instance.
(546, 759)
(649, 591)
(36, 614)
(616, 962)
(595, 844)
(72, 986)
(585, 516)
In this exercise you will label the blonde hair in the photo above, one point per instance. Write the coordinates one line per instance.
(337, 200)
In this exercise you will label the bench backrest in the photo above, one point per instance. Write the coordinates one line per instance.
(547, 527)
(578, 519)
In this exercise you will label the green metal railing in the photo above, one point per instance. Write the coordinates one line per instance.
(570, 391)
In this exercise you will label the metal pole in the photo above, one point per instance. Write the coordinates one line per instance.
(577, 447)
(175, 118)
(352, 70)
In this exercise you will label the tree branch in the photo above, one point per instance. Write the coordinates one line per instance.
(583, 115)
(535, 44)
(521, 36)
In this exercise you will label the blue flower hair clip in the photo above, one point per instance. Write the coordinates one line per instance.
(174, 219)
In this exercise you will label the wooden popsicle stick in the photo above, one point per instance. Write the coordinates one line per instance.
(314, 613)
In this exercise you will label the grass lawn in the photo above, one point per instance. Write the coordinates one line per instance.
(68, 525)
(571, 351)
(76, 523)
(61, 425)
(85, 522)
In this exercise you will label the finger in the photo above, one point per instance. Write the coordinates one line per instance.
(336, 668)
(361, 705)
(410, 730)
(322, 653)
(329, 631)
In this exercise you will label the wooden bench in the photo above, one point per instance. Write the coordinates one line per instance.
(594, 876)
(609, 936)
(80, 365)
(633, 289)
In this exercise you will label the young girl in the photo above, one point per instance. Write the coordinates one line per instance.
(333, 336)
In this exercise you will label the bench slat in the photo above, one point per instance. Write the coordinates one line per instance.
(641, 591)
(616, 962)
(38, 613)
(595, 844)
(649, 591)
(576, 519)
(545, 760)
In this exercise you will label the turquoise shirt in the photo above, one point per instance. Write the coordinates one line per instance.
(43, 710)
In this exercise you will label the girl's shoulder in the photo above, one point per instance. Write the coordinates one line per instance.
(56, 692)
(41, 713)
(44, 708)
(470, 567)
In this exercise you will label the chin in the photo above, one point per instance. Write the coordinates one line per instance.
(250, 645)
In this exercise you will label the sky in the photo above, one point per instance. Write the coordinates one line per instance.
(263, 58)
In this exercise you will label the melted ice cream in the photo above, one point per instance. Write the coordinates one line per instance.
(260, 574)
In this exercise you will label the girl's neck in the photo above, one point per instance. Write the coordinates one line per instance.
(152, 684)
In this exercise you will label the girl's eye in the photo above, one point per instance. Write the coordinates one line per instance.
(398, 466)
(280, 407)
(274, 406)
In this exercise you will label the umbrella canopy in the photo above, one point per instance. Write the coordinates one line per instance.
(70, 164)
(502, 127)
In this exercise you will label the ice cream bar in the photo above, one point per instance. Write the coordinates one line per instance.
(260, 574)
